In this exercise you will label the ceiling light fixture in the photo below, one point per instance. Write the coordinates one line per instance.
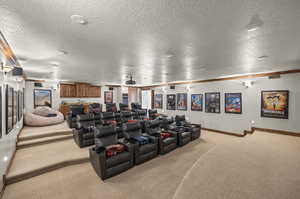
(263, 57)
(79, 19)
(6, 68)
(63, 52)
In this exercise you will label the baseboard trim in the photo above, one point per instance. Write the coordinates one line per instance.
(225, 132)
(275, 131)
(253, 129)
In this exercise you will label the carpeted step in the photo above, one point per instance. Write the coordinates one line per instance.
(32, 161)
(44, 135)
(43, 140)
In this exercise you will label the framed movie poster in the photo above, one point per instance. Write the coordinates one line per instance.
(212, 102)
(182, 101)
(233, 103)
(9, 108)
(20, 105)
(0, 112)
(158, 101)
(275, 104)
(171, 102)
(125, 98)
(42, 97)
(15, 102)
(108, 97)
(196, 102)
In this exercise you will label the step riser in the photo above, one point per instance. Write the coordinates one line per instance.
(43, 142)
(44, 135)
(40, 171)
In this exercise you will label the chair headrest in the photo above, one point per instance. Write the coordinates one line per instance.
(132, 126)
(104, 131)
(179, 118)
(76, 109)
(108, 115)
(154, 123)
(126, 114)
(142, 112)
(152, 111)
(85, 117)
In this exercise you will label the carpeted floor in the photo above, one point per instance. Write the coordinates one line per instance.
(259, 166)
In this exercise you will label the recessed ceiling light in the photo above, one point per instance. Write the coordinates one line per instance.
(63, 52)
(263, 57)
(79, 19)
(255, 23)
(54, 63)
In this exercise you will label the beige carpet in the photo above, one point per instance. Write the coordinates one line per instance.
(30, 159)
(29, 131)
(259, 166)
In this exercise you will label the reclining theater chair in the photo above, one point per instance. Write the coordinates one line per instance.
(74, 111)
(84, 133)
(167, 140)
(152, 114)
(111, 107)
(126, 116)
(123, 107)
(135, 106)
(96, 109)
(145, 146)
(110, 118)
(195, 129)
(106, 157)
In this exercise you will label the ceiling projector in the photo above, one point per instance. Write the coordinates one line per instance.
(130, 81)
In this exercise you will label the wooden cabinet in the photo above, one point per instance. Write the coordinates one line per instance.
(79, 90)
(67, 90)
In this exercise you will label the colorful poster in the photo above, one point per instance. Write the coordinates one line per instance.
(158, 101)
(275, 104)
(182, 101)
(125, 98)
(171, 102)
(212, 102)
(196, 102)
(233, 103)
(108, 97)
(42, 97)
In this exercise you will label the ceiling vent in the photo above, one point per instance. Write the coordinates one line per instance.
(130, 81)
(274, 76)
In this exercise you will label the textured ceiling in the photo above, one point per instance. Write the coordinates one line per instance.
(155, 40)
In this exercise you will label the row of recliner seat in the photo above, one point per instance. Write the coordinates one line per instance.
(87, 123)
(161, 136)
(96, 109)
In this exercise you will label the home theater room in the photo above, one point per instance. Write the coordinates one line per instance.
(149, 99)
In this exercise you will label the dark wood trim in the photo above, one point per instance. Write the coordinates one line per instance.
(275, 131)
(225, 132)
(226, 78)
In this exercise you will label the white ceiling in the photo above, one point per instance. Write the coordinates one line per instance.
(156, 40)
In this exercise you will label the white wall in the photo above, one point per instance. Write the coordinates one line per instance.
(251, 104)
(8, 142)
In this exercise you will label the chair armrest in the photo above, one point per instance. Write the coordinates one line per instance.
(128, 146)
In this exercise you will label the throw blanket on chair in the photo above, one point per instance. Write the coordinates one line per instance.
(165, 135)
(114, 149)
(142, 140)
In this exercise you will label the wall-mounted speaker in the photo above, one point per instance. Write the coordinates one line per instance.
(38, 84)
(172, 87)
(17, 71)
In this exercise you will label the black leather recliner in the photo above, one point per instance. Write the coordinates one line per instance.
(84, 132)
(96, 109)
(195, 129)
(74, 111)
(123, 107)
(142, 152)
(105, 166)
(126, 116)
(142, 114)
(167, 140)
(111, 107)
(152, 114)
(135, 106)
(108, 118)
